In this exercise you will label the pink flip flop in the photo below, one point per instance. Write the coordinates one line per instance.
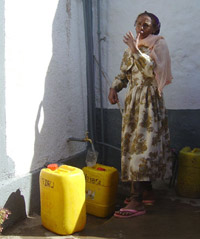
(133, 213)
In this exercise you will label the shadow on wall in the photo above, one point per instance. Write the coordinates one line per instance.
(51, 122)
(16, 205)
(50, 125)
(55, 111)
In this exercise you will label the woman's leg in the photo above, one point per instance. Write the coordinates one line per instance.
(148, 194)
(142, 189)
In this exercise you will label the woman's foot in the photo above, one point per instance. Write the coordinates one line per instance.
(148, 198)
(133, 208)
(128, 199)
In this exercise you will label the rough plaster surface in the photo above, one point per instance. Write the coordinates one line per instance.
(2, 92)
(45, 83)
(179, 24)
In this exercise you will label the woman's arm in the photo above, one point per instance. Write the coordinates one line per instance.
(121, 80)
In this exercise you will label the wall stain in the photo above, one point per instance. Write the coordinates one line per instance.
(68, 21)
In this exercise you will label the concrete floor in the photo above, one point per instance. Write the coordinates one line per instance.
(171, 217)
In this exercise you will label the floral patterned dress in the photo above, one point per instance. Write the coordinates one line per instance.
(145, 141)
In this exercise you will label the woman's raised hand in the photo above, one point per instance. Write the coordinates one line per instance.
(131, 42)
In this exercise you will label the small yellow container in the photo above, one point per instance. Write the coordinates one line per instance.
(101, 189)
(62, 196)
(188, 179)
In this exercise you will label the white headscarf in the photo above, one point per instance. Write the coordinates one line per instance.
(160, 54)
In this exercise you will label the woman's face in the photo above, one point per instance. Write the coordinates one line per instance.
(144, 26)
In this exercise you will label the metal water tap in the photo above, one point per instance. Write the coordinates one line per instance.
(87, 139)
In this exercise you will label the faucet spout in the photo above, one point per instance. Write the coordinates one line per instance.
(87, 139)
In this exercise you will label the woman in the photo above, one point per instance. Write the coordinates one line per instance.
(145, 145)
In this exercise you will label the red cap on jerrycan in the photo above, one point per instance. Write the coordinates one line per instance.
(101, 169)
(53, 166)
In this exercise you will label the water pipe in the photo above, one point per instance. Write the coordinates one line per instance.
(88, 23)
(100, 79)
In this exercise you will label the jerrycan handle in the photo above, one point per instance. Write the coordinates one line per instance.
(67, 168)
(196, 150)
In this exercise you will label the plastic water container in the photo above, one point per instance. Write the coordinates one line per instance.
(188, 179)
(101, 189)
(62, 197)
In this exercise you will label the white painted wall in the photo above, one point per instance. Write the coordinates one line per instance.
(45, 83)
(4, 163)
(179, 25)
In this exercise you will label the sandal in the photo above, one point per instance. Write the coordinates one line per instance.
(127, 213)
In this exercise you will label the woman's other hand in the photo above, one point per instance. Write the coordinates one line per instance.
(113, 97)
(131, 42)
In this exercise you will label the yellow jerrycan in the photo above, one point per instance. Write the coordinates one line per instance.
(62, 198)
(188, 178)
(101, 189)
